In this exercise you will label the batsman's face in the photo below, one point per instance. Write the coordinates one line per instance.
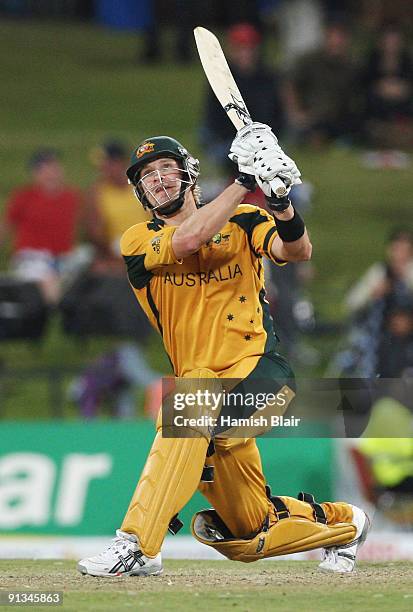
(161, 181)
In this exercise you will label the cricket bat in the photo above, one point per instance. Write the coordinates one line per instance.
(225, 88)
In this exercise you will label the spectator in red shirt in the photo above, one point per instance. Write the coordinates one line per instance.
(41, 218)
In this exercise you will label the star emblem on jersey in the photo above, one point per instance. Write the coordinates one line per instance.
(230, 317)
(242, 299)
(247, 337)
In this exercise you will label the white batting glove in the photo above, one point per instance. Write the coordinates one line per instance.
(276, 174)
(269, 164)
(249, 140)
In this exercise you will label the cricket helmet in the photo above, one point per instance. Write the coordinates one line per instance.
(158, 147)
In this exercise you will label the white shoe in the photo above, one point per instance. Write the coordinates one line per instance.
(123, 557)
(343, 558)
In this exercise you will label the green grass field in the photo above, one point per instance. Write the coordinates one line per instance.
(72, 85)
(220, 585)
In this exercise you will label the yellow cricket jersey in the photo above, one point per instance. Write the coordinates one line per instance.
(210, 307)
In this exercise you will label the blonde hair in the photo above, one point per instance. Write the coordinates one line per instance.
(197, 191)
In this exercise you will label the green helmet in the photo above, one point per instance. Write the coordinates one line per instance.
(154, 148)
(159, 146)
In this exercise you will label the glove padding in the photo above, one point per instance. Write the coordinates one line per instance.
(249, 140)
(271, 163)
(256, 151)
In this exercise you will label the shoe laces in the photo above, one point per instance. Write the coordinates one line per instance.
(118, 544)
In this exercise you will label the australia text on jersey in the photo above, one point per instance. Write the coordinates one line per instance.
(192, 279)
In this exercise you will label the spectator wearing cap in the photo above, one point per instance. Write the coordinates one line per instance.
(42, 218)
(111, 207)
(259, 87)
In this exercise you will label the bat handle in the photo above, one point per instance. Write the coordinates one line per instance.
(278, 187)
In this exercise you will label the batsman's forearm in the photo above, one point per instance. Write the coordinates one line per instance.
(211, 218)
(207, 221)
(299, 250)
(292, 242)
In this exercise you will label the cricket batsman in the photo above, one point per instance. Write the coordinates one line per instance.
(197, 272)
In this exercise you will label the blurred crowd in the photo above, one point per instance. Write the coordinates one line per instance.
(65, 261)
(330, 92)
(380, 311)
(330, 70)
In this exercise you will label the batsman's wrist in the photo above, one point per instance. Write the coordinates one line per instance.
(278, 205)
(284, 215)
